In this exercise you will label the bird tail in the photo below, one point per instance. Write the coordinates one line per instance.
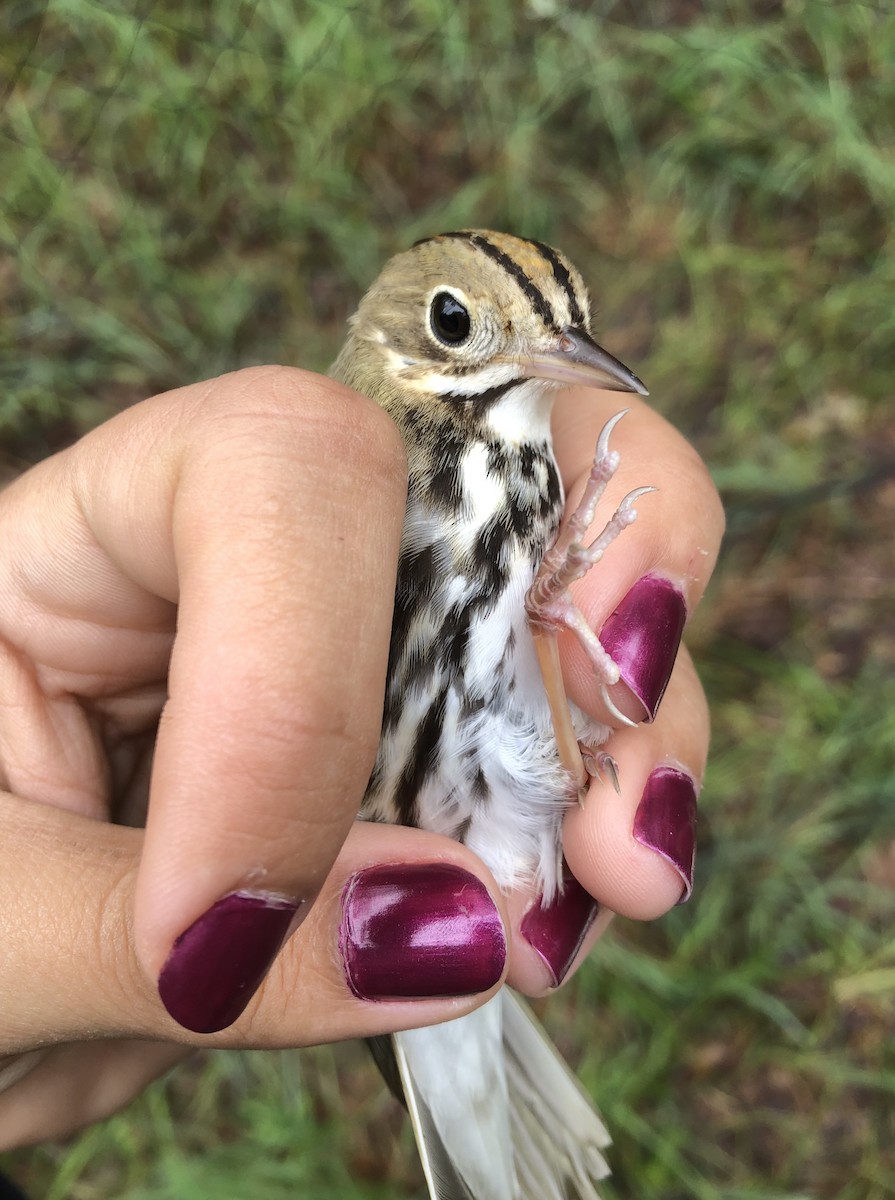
(496, 1113)
(558, 1136)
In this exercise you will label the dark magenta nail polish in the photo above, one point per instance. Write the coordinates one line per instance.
(216, 966)
(665, 821)
(558, 930)
(420, 930)
(642, 637)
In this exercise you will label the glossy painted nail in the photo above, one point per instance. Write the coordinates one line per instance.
(642, 637)
(665, 821)
(217, 965)
(557, 931)
(420, 930)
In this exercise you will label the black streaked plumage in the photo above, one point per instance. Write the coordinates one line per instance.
(469, 738)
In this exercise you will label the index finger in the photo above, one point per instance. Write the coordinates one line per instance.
(271, 507)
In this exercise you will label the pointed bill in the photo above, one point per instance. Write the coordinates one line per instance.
(576, 358)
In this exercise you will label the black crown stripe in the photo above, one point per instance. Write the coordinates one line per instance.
(531, 290)
(563, 278)
(458, 233)
(537, 298)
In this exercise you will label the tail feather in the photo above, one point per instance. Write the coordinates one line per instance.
(557, 1134)
(441, 1176)
(496, 1113)
(454, 1080)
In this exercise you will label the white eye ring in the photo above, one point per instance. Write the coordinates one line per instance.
(449, 318)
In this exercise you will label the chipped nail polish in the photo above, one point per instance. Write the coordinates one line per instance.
(218, 963)
(420, 930)
(557, 931)
(665, 821)
(642, 637)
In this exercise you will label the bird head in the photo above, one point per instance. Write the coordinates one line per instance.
(468, 317)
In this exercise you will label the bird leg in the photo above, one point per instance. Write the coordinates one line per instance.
(550, 608)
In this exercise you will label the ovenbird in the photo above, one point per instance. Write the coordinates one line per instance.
(464, 339)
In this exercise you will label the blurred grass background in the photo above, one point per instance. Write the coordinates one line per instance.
(185, 189)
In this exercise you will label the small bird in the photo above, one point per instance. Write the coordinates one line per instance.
(464, 340)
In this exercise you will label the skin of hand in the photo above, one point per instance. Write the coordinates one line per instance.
(209, 576)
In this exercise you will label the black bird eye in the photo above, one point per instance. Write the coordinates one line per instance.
(449, 319)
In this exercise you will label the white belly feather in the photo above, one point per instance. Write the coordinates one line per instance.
(494, 780)
(516, 827)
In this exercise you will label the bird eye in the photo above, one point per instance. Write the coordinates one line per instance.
(449, 319)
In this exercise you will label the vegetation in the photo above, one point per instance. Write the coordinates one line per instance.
(190, 188)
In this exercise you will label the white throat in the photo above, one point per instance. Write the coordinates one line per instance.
(523, 414)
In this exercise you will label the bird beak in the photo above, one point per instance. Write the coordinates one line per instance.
(576, 358)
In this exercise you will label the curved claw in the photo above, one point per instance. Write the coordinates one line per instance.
(616, 712)
(606, 433)
(633, 496)
(600, 764)
(610, 766)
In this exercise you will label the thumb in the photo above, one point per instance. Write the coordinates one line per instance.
(407, 930)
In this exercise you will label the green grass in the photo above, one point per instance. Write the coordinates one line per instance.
(191, 188)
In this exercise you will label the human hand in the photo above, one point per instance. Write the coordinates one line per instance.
(221, 505)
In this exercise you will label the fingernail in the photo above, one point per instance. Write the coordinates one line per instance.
(642, 637)
(421, 930)
(665, 821)
(217, 965)
(557, 931)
